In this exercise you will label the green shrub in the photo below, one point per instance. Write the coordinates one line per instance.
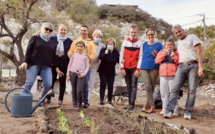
(209, 62)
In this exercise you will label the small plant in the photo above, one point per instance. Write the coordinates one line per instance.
(89, 123)
(63, 126)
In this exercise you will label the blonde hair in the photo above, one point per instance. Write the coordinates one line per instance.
(97, 31)
(111, 39)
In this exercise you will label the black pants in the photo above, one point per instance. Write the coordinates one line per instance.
(77, 88)
(106, 80)
(62, 81)
(131, 82)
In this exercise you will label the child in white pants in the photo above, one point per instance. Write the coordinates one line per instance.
(169, 61)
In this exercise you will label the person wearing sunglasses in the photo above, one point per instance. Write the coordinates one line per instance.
(39, 57)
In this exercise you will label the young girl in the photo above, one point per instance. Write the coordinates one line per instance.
(169, 61)
(77, 69)
(109, 56)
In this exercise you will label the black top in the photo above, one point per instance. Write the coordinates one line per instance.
(40, 52)
(62, 61)
(108, 62)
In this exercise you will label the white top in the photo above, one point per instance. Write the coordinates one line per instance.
(95, 62)
(186, 48)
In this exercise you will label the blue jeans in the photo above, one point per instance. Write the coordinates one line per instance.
(45, 73)
(189, 73)
(86, 88)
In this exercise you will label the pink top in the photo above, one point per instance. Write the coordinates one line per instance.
(78, 62)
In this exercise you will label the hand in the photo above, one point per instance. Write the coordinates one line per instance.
(123, 61)
(200, 72)
(59, 72)
(67, 77)
(106, 51)
(36, 34)
(70, 55)
(23, 66)
(123, 72)
(136, 74)
(172, 54)
(164, 52)
(81, 76)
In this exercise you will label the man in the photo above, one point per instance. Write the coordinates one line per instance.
(91, 52)
(190, 59)
(130, 62)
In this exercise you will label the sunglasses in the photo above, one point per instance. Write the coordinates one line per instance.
(47, 29)
(150, 34)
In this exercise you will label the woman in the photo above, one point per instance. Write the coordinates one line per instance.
(97, 36)
(39, 58)
(63, 46)
(109, 56)
(150, 69)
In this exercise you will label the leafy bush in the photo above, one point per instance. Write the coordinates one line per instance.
(209, 62)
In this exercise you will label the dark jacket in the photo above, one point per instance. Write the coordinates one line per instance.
(108, 62)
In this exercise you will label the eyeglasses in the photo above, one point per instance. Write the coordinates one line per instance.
(47, 29)
(150, 34)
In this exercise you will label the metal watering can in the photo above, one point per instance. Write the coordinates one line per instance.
(21, 104)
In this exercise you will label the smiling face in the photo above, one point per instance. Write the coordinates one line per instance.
(47, 31)
(133, 33)
(169, 46)
(62, 30)
(80, 47)
(179, 33)
(84, 32)
(150, 35)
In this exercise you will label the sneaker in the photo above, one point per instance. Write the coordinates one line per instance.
(168, 114)
(102, 103)
(187, 115)
(162, 112)
(130, 108)
(47, 101)
(60, 103)
(75, 107)
(80, 106)
(175, 114)
(86, 105)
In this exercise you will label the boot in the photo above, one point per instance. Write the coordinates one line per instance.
(151, 110)
(144, 109)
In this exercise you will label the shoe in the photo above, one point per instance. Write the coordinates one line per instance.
(144, 109)
(86, 105)
(60, 103)
(187, 115)
(168, 114)
(130, 108)
(102, 103)
(75, 107)
(175, 114)
(162, 112)
(80, 106)
(151, 110)
(47, 101)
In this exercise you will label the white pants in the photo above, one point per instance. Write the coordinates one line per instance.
(91, 81)
(165, 89)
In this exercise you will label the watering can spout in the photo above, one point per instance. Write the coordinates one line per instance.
(41, 100)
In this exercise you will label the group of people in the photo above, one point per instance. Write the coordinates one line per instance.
(80, 60)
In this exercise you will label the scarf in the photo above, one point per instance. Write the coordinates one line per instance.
(60, 46)
(45, 37)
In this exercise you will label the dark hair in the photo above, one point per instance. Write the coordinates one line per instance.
(80, 42)
(150, 29)
(170, 40)
(85, 26)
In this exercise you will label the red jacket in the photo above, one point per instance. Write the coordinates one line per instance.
(168, 64)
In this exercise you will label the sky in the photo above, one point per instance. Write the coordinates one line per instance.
(188, 13)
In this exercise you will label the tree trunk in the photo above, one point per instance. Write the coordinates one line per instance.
(21, 77)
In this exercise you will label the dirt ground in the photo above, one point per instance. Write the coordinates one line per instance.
(44, 120)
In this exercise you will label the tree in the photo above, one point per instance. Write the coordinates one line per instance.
(26, 13)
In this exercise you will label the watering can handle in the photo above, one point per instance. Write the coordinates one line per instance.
(5, 101)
